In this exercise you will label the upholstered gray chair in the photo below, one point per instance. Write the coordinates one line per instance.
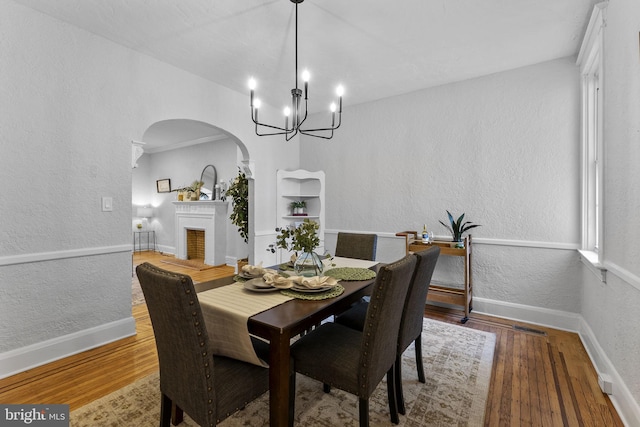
(412, 317)
(357, 245)
(208, 388)
(356, 361)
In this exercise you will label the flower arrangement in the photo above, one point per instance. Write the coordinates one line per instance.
(302, 238)
(194, 188)
(238, 191)
(457, 228)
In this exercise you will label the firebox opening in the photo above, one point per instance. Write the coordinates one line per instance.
(195, 245)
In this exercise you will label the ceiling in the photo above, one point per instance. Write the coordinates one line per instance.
(374, 48)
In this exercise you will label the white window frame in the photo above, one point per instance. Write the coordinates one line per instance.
(591, 63)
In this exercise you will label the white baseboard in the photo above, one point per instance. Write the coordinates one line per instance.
(556, 319)
(31, 356)
(608, 377)
(610, 380)
(231, 261)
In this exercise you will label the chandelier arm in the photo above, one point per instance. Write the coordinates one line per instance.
(289, 138)
(307, 132)
(332, 128)
(283, 130)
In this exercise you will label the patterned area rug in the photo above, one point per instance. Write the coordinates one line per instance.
(137, 297)
(457, 363)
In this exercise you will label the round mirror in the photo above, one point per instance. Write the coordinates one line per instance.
(209, 177)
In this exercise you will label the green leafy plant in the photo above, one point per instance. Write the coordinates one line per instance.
(195, 186)
(302, 238)
(299, 204)
(238, 191)
(457, 228)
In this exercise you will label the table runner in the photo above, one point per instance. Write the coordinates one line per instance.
(347, 262)
(226, 311)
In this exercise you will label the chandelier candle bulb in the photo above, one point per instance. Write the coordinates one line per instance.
(252, 87)
(287, 112)
(305, 79)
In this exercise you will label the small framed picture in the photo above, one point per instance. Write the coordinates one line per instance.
(164, 185)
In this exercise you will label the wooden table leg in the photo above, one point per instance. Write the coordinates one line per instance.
(279, 366)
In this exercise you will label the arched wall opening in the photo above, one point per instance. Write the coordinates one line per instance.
(178, 150)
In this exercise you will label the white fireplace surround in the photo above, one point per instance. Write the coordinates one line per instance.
(209, 216)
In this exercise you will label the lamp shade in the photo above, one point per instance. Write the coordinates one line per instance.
(145, 212)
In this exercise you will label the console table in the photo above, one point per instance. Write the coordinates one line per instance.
(151, 239)
(441, 293)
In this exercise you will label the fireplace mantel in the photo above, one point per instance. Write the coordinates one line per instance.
(206, 215)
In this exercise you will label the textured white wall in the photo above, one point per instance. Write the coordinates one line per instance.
(70, 104)
(502, 148)
(611, 309)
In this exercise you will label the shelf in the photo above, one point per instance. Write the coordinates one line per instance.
(300, 185)
(301, 196)
(440, 292)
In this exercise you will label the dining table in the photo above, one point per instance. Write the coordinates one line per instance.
(279, 323)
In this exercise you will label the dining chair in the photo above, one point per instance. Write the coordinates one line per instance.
(356, 361)
(412, 317)
(207, 387)
(356, 245)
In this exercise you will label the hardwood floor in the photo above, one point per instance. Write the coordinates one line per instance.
(537, 380)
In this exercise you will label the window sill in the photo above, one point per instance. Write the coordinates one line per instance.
(590, 259)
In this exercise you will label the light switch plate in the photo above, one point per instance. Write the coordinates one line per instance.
(107, 204)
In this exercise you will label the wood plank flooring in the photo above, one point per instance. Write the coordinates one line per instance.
(537, 379)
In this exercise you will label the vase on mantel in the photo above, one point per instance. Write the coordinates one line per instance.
(308, 264)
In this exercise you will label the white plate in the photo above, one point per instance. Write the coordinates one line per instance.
(258, 285)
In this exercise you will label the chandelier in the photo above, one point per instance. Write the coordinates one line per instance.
(298, 115)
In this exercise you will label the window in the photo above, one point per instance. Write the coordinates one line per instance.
(590, 60)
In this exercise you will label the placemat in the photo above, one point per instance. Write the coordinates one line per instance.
(351, 273)
(332, 293)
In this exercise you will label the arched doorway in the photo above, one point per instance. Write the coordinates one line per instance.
(178, 150)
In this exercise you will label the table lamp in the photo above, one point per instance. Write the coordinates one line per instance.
(145, 213)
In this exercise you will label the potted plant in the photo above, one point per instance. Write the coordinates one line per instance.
(297, 207)
(457, 228)
(302, 240)
(238, 191)
(193, 191)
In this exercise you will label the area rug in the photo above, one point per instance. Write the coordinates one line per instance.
(457, 363)
(137, 297)
(187, 263)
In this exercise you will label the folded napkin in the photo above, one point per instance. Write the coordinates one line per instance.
(256, 270)
(314, 282)
(277, 281)
(284, 282)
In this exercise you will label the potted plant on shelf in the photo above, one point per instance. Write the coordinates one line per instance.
(457, 228)
(302, 240)
(191, 192)
(297, 207)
